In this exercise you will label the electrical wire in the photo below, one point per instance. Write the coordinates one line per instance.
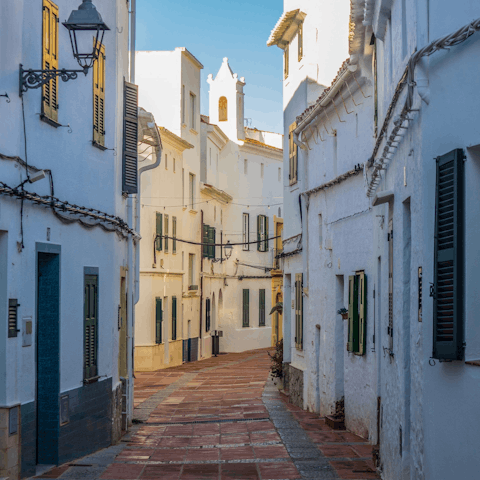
(185, 205)
(214, 244)
(25, 139)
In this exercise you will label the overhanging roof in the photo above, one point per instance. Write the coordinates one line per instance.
(286, 28)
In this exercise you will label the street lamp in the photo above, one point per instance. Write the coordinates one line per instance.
(85, 19)
(228, 250)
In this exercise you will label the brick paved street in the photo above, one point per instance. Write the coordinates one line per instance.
(223, 419)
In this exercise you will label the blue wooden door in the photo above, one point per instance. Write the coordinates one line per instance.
(48, 361)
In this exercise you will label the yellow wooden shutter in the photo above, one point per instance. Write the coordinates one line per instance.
(99, 98)
(50, 59)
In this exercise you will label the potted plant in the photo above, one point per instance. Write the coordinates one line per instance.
(343, 312)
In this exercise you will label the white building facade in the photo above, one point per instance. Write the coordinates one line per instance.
(64, 270)
(388, 194)
(230, 189)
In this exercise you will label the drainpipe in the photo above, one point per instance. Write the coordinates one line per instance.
(130, 253)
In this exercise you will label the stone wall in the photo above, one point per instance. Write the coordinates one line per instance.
(295, 386)
(117, 414)
(9, 442)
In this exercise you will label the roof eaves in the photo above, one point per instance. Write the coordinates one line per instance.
(278, 34)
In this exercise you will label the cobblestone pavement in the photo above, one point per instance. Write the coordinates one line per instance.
(223, 419)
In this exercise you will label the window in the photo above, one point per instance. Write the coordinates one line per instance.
(166, 162)
(261, 307)
(191, 269)
(357, 313)
(246, 231)
(174, 234)
(193, 112)
(292, 155)
(246, 308)
(448, 299)
(214, 213)
(174, 161)
(158, 320)
(90, 343)
(262, 233)
(299, 311)
(262, 170)
(279, 174)
(207, 314)
(300, 41)
(183, 187)
(130, 136)
(222, 109)
(184, 107)
(174, 318)
(166, 233)
(191, 186)
(245, 166)
(99, 98)
(209, 235)
(158, 232)
(279, 212)
(285, 62)
(320, 231)
(50, 60)
(210, 156)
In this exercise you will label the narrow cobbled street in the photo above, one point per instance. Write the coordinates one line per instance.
(223, 419)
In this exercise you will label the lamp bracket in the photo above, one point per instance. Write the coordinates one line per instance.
(36, 78)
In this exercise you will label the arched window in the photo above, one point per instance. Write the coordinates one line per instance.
(222, 109)
(279, 212)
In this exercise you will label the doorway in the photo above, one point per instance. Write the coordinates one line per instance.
(48, 355)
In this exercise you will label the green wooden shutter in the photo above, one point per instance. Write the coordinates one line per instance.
(166, 233)
(362, 324)
(211, 242)
(207, 314)
(130, 139)
(158, 320)
(448, 258)
(261, 307)
(158, 240)
(352, 299)
(205, 247)
(174, 234)
(174, 318)
(259, 236)
(265, 248)
(90, 326)
(246, 308)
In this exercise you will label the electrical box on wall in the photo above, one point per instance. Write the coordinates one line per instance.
(27, 331)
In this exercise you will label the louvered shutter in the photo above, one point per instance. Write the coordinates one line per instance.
(166, 233)
(130, 138)
(390, 285)
(299, 310)
(99, 97)
(158, 320)
(266, 245)
(261, 307)
(211, 240)
(259, 233)
(158, 239)
(362, 314)
(351, 311)
(174, 234)
(246, 308)
(90, 326)
(174, 318)
(205, 241)
(50, 59)
(448, 258)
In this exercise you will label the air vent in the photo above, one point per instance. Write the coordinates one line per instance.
(12, 317)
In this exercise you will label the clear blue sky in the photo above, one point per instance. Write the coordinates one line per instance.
(214, 29)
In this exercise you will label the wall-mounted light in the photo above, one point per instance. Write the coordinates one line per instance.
(82, 21)
(228, 250)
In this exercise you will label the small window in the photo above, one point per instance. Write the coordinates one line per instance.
(174, 235)
(279, 174)
(261, 307)
(262, 233)
(193, 111)
(174, 161)
(246, 308)
(300, 41)
(191, 268)
(262, 170)
(285, 62)
(222, 109)
(192, 190)
(320, 231)
(245, 166)
(166, 162)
